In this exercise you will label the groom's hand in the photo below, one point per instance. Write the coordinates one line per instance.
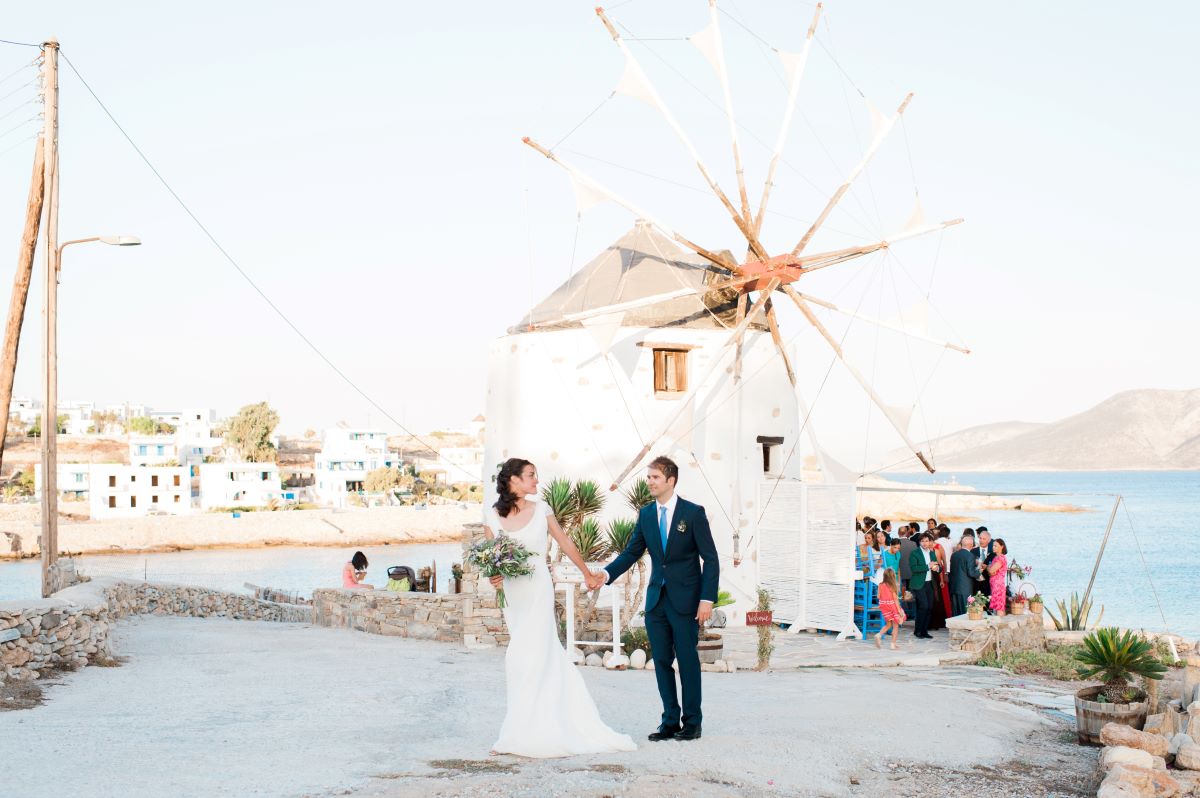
(704, 611)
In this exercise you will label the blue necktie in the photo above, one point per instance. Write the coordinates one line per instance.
(662, 526)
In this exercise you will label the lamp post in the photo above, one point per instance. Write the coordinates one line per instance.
(49, 541)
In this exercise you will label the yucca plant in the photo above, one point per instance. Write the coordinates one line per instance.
(589, 539)
(620, 532)
(638, 495)
(1073, 618)
(560, 498)
(1115, 656)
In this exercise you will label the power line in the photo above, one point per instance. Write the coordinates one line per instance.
(232, 262)
(20, 44)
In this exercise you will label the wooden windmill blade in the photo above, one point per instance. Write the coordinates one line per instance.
(854, 372)
(797, 70)
(881, 323)
(652, 97)
(877, 140)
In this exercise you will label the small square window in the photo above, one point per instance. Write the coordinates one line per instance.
(154, 480)
(112, 480)
(112, 501)
(177, 498)
(670, 371)
(177, 480)
(133, 501)
(154, 499)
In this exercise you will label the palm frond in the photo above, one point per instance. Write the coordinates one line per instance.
(589, 499)
(589, 539)
(620, 532)
(638, 495)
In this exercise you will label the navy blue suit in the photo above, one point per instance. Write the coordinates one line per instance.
(678, 583)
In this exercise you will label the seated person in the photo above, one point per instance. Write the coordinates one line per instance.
(354, 572)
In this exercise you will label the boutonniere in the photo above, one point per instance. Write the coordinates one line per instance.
(681, 527)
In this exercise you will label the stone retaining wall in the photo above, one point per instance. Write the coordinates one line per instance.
(997, 633)
(71, 629)
(450, 617)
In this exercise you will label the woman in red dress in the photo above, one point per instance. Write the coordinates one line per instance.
(889, 605)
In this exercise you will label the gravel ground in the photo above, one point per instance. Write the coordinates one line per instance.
(210, 707)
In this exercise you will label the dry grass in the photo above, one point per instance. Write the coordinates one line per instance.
(16, 695)
(473, 765)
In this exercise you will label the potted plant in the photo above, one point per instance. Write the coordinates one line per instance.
(1036, 604)
(1017, 605)
(710, 645)
(456, 573)
(976, 606)
(1115, 657)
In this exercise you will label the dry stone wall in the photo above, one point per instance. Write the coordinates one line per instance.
(997, 633)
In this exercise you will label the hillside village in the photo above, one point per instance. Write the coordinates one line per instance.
(132, 460)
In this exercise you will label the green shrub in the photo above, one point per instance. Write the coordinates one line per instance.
(1115, 656)
(636, 637)
(1057, 663)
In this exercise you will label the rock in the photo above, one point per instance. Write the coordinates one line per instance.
(1116, 734)
(731, 666)
(637, 660)
(1178, 740)
(1117, 790)
(1157, 724)
(650, 665)
(618, 662)
(1136, 779)
(1124, 755)
(594, 660)
(1188, 757)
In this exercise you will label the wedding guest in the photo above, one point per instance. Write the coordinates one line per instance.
(997, 572)
(891, 559)
(964, 571)
(354, 572)
(945, 549)
(931, 524)
(889, 605)
(985, 539)
(907, 546)
(921, 564)
(983, 553)
(885, 526)
(868, 552)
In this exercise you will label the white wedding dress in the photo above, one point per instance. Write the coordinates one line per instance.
(550, 712)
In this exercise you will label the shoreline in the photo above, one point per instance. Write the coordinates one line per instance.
(171, 548)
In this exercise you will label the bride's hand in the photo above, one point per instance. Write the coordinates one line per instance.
(497, 581)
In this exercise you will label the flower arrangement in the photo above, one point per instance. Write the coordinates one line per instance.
(977, 603)
(500, 556)
(1018, 571)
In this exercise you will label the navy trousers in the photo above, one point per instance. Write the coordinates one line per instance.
(673, 636)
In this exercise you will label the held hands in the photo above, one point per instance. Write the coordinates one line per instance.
(595, 579)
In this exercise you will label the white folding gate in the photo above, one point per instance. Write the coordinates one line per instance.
(806, 553)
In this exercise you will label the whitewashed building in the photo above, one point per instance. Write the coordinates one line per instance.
(454, 464)
(121, 491)
(476, 427)
(153, 450)
(74, 480)
(24, 409)
(580, 391)
(345, 459)
(239, 485)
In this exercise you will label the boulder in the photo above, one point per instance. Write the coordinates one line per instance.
(637, 659)
(1157, 724)
(1119, 734)
(650, 665)
(1124, 755)
(1178, 740)
(619, 662)
(731, 666)
(1149, 783)
(1188, 757)
(594, 660)
(1117, 789)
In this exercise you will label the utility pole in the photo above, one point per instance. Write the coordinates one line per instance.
(49, 541)
(20, 291)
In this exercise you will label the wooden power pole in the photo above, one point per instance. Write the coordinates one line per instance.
(49, 541)
(20, 290)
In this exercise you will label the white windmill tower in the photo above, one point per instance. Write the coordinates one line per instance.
(646, 349)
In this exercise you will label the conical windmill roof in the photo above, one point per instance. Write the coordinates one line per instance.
(642, 263)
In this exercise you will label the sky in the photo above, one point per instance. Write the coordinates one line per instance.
(362, 163)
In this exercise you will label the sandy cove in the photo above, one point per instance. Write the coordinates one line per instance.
(349, 527)
(917, 505)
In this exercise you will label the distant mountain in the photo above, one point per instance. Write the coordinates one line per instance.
(1143, 430)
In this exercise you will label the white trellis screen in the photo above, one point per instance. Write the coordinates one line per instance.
(806, 553)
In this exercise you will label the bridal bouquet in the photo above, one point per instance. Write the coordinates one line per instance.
(500, 556)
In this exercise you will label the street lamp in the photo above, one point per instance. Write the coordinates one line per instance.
(49, 542)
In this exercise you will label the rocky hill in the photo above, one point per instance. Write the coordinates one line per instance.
(1141, 430)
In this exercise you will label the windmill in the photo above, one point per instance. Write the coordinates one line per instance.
(761, 275)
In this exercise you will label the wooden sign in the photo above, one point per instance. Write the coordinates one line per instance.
(758, 618)
(9, 634)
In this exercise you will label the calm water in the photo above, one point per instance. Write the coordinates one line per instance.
(1162, 508)
(299, 568)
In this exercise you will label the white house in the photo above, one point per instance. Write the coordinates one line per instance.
(476, 427)
(74, 480)
(24, 409)
(345, 459)
(455, 463)
(121, 491)
(238, 484)
(602, 366)
(78, 416)
(152, 450)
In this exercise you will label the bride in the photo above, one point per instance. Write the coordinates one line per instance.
(550, 712)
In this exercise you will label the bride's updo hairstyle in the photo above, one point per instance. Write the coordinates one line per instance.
(506, 500)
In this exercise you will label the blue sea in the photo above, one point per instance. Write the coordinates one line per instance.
(1150, 571)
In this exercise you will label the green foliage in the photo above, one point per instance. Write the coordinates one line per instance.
(560, 498)
(724, 599)
(635, 637)
(382, 480)
(589, 500)
(620, 532)
(249, 433)
(1073, 617)
(1057, 663)
(638, 495)
(977, 602)
(144, 425)
(1114, 656)
(35, 430)
(589, 539)
(25, 483)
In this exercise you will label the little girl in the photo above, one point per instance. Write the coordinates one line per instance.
(889, 605)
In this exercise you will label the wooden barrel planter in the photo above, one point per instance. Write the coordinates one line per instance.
(710, 648)
(1090, 716)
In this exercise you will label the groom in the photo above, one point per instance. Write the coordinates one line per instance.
(680, 596)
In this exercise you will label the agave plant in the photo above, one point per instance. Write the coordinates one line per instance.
(1073, 618)
(1115, 656)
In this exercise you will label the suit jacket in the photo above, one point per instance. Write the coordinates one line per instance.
(689, 540)
(964, 570)
(907, 547)
(919, 567)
